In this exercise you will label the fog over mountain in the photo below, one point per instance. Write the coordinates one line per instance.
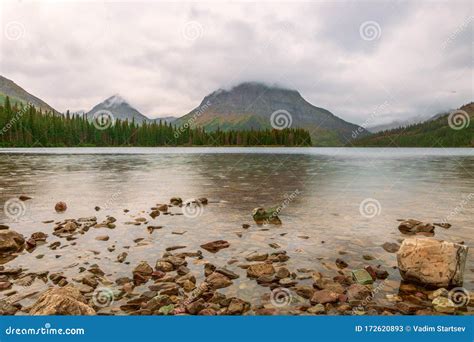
(164, 57)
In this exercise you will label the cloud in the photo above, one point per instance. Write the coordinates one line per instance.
(165, 57)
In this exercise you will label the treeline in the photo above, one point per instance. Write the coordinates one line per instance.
(25, 126)
(433, 133)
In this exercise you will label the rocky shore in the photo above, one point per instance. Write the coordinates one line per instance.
(432, 271)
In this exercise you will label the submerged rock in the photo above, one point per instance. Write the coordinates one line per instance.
(67, 300)
(11, 241)
(60, 207)
(261, 269)
(415, 227)
(261, 216)
(215, 246)
(432, 262)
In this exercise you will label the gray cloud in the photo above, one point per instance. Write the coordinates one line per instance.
(165, 57)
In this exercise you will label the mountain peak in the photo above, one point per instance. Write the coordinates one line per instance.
(120, 109)
(114, 101)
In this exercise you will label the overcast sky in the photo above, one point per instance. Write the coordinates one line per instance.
(364, 61)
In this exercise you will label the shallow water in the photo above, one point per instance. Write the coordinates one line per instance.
(320, 189)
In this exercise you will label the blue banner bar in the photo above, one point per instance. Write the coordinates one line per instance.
(242, 328)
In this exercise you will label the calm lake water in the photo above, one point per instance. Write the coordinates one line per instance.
(321, 190)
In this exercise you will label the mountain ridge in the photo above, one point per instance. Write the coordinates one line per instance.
(255, 105)
(20, 96)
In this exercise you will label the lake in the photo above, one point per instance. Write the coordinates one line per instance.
(335, 203)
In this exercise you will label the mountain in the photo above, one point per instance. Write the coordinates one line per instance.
(403, 123)
(455, 129)
(120, 109)
(251, 105)
(19, 95)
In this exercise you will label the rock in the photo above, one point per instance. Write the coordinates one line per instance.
(362, 277)
(196, 306)
(282, 272)
(11, 241)
(5, 285)
(274, 245)
(96, 208)
(391, 247)
(371, 271)
(432, 262)
(305, 291)
(217, 281)
(90, 280)
(67, 300)
(164, 266)
(162, 207)
(442, 292)
(173, 248)
(6, 309)
(102, 238)
(157, 302)
(176, 201)
(341, 263)
(4, 226)
(228, 273)
(287, 282)
(368, 257)
(154, 214)
(24, 198)
(415, 227)
(209, 269)
(166, 310)
(358, 292)
(203, 200)
(60, 207)
(237, 307)
(260, 269)
(381, 273)
(215, 246)
(443, 305)
(143, 268)
(122, 256)
(182, 270)
(261, 216)
(257, 256)
(316, 310)
(39, 236)
(207, 312)
(324, 296)
(245, 225)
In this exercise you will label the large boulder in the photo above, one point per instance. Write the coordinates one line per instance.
(66, 300)
(262, 215)
(432, 262)
(11, 241)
